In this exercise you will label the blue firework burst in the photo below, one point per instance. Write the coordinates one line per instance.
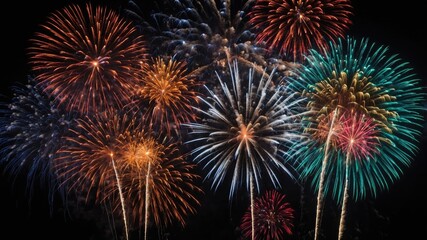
(30, 134)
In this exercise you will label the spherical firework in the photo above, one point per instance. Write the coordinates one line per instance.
(169, 92)
(85, 161)
(245, 131)
(30, 134)
(273, 217)
(296, 26)
(155, 177)
(88, 59)
(207, 34)
(362, 77)
(357, 136)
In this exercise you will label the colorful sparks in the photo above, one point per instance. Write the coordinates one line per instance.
(274, 217)
(296, 26)
(246, 127)
(87, 59)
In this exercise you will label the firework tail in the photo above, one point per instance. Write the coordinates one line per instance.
(345, 199)
(252, 207)
(122, 200)
(147, 199)
(322, 179)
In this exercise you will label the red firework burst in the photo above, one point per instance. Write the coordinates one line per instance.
(295, 26)
(358, 135)
(88, 58)
(273, 217)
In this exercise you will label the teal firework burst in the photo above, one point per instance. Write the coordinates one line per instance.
(363, 77)
(248, 125)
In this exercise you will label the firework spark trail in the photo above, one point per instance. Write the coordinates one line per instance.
(122, 200)
(246, 129)
(296, 26)
(147, 199)
(88, 59)
(252, 208)
(345, 198)
(320, 194)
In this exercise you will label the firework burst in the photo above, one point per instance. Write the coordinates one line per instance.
(246, 128)
(155, 177)
(296, 26)
(362, 77)
(88, 59)
(207, 34)
(87, 163)
(273, 217)
(169, 92)
(357, 139)
(30, 134)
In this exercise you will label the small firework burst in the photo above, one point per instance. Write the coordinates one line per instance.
(361, 77)
(169, 92)
(273, 217)
(88, 59)
(357, 136)
(246, 129)
(30, 134)
(296, 26)
(155, 177)
(207, 34)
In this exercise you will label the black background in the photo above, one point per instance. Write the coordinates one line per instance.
(398, 213)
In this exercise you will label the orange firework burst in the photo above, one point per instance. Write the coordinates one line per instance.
(88, 59)
(86, 160)
(295, 26)
(156, 177)
(168, 91)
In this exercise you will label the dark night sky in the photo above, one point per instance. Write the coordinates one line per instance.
(398, 213)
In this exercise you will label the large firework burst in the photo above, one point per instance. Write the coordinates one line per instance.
(88, 59)
(296, 26)
(169, 93)
(31, 128)
(273, 217)
(245, 132)
(207, 34)
(364, 78)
